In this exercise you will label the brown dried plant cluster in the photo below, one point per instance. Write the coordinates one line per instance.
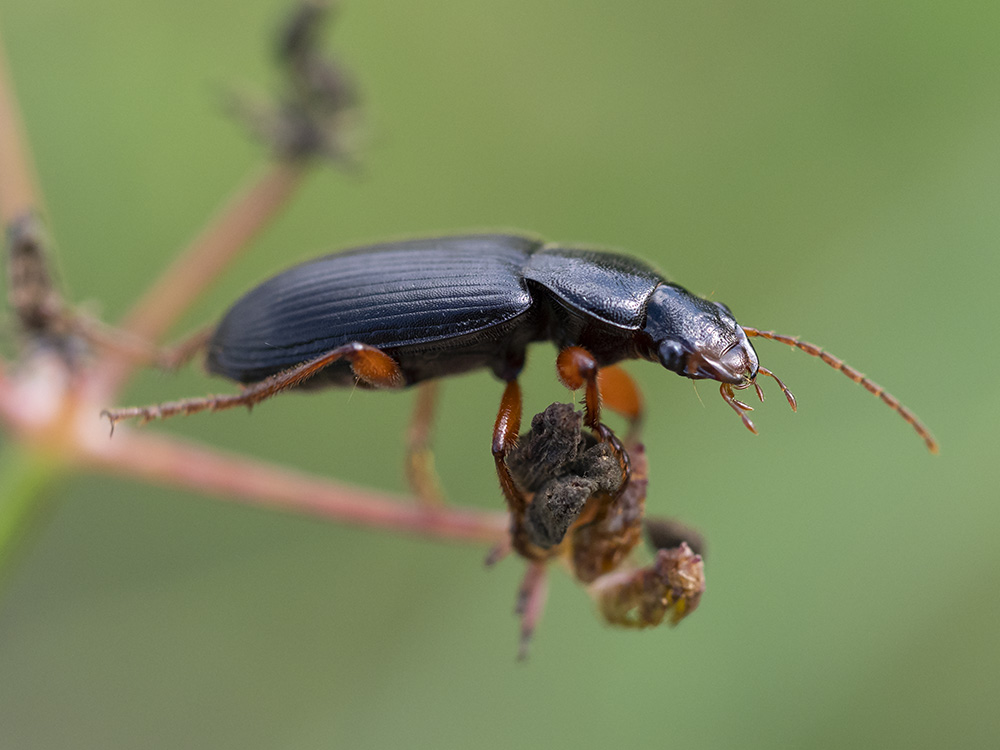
(585, 514)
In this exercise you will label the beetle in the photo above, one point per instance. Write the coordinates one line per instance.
(402, 313)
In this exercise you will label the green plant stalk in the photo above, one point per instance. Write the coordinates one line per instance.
(27, 478)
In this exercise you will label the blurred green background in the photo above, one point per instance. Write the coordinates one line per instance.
(829, 170)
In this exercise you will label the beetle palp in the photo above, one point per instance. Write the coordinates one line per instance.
(738, 406)
(784, 388)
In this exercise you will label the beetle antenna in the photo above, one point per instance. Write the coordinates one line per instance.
(838, 364)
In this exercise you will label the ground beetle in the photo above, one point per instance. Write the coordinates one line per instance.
(401, 313)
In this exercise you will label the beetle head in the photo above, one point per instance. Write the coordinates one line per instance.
(701, 339)
(698, 338)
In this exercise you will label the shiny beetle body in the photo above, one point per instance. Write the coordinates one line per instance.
(403, 313)
(443, 306)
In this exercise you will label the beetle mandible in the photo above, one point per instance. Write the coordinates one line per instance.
(400, 313)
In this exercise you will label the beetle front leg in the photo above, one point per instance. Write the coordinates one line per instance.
(578, 368)
(370, 364)
(505, 432)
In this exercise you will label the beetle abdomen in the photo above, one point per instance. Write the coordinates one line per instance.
(388, 296)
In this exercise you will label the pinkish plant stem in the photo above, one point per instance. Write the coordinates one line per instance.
(169, 461)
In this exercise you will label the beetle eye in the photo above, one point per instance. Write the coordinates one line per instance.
(672, 355)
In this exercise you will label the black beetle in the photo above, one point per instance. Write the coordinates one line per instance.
(401, 313)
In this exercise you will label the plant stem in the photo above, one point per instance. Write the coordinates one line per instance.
(25, 478)
(169, 461)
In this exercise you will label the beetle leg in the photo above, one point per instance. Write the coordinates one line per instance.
(420, 474)
(578, 368)
(621, 395)
(505, 432)
(372, 365)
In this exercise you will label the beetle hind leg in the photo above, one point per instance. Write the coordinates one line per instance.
(370, 365)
